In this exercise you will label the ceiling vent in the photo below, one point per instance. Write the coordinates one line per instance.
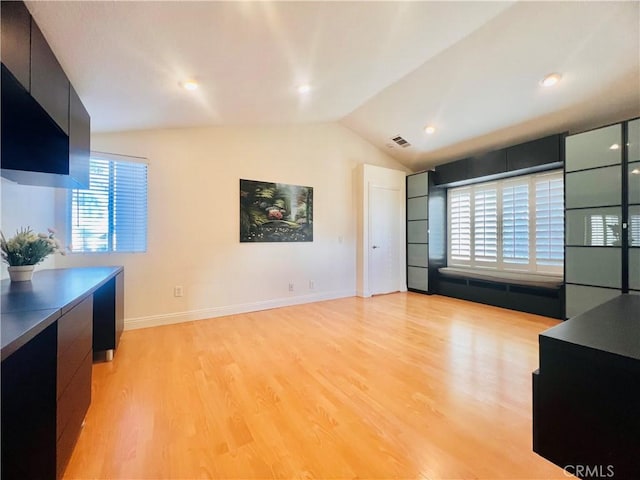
(401, 141)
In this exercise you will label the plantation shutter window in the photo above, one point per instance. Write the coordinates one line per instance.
(485, 231)
(111, 215)
(513, 224)
(460, 225)
(549, 228)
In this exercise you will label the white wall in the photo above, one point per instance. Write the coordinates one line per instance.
(194, 213)
(26, 206)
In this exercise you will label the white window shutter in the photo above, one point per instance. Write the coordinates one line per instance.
(512, 224)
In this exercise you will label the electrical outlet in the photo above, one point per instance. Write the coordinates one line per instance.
(291, 286)
(178, 291)
(311, 285)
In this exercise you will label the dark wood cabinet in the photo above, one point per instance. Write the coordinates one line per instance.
(45, 127)
(49, 84)
(108, 315)
(31, 141)
(47, 353)
(73, 387)
(537, 155)
(79, 139)
(586, 394)
(452, 172)
(491, 163)
(29, 409)
(15, 44)
(533, 154)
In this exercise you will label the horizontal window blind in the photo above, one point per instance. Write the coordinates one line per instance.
(512, 224)
(111, 215)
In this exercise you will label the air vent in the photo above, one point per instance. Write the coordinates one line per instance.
(401, 141)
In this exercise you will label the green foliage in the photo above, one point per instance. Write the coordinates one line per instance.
(28, 248)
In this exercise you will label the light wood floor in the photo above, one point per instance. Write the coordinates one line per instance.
(397, 386)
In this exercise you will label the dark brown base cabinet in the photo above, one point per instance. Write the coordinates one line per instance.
(29, 409)
(48, 340)
(586, 394)
(108, 304)
(73, 388)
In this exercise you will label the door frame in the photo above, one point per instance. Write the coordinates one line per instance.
(398, 284)
(385, 178)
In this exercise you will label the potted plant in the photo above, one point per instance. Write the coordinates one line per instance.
(25, 250)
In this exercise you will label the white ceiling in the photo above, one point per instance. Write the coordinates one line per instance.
(380, 68)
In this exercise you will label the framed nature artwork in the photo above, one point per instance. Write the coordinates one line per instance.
(275, 212)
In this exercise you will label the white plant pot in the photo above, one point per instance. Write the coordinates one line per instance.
(22, 273)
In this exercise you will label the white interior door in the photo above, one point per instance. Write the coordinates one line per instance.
(384, 239)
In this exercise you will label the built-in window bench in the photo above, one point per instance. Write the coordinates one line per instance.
(542, 294)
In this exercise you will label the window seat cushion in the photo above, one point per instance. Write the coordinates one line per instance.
(514, 278)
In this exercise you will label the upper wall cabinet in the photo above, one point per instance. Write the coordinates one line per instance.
(535, 153)
(79, 139)
(541, 154)
(49, 84)
(16, 33)
(45, 127)
(491, 163)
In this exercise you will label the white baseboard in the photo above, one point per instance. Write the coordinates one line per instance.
(179, 317)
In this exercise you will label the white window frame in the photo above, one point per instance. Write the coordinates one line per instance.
(111, 248)
(499, 264)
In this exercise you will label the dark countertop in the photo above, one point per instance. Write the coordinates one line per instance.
(30, 307)
(613, 327)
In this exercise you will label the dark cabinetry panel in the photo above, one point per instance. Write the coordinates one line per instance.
(490, 163)
(586, 394)
(72, 408)
(16, 32)
(79, 139)
(535, 153)
(73, 377)
(45, 127)
(30, 139)
(544, 153)
(29, 409)
(49, 84)
(452, 172)
(108, 314)
(74, 341)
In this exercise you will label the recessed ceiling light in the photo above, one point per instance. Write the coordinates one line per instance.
(550, 80)
(429, 129)
(190, 85)
(615, 146)
(636, 171)
(305, 88)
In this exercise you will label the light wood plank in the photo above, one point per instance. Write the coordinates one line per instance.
(396, 386)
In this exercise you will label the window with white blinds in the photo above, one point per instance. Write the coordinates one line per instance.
(485, 224)
(111, 215)
(512, 224)
(460, 225)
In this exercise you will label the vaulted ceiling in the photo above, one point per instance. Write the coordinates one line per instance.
(382, 69)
